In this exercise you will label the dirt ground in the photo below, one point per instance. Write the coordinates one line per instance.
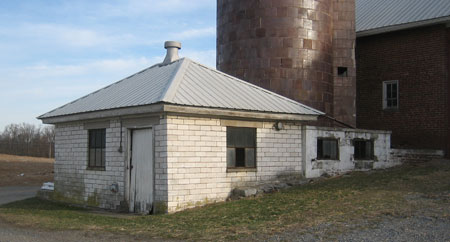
(25, 170)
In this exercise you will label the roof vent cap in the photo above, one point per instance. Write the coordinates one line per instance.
(172, 51)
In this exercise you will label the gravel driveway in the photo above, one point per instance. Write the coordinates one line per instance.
(9, 233)
(415, 228)
(430, 222)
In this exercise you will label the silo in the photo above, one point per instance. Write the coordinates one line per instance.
(292, 47)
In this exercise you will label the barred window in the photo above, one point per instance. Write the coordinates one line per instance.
(241, 147)
(327, 149)
(363, 149)
(97, 143)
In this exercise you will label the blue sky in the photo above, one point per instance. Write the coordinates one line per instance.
(52, 52)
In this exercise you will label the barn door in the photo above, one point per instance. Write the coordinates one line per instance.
(141, 171)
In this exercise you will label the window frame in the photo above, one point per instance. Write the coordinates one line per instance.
(386, 84)
(372, 149)
(99, 147)
(320, 156)
(254, 147)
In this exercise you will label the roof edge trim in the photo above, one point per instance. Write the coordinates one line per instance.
(109, 113)
(392, 28)
(243, 114)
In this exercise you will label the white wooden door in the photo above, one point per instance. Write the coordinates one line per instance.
(141, 174)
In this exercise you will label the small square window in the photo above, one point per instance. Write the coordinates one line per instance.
(363, 149)
(342, 71)
(241, 147)
(390, 94)
(327, 149)
(97, 144)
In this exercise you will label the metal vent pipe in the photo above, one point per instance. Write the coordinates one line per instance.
(172, 51)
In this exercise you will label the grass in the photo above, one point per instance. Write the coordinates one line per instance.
(335, 200)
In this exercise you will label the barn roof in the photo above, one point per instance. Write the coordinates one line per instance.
(375, 16)
(187, 83)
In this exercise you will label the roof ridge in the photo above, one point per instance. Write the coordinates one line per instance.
(257, 87)
(172, 86)
(98, 90)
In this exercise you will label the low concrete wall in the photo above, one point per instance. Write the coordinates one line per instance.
(314, 167)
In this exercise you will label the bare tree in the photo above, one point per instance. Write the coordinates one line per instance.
(49, 134)
(27, 139)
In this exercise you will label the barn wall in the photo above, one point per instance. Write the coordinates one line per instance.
(196, 160)
(419, 59)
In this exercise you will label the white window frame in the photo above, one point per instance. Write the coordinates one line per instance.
(385, 84)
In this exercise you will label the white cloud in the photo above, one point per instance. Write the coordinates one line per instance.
(72, 36)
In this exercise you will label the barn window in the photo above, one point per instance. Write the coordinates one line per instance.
(327, 149)
(97, 143)
(390, 94)
(241, 147)
(342, 71)
(363, 149)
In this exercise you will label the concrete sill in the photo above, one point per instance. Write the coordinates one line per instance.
(241, 169)
(96, 169)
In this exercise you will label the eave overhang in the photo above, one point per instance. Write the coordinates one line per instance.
(165, 108)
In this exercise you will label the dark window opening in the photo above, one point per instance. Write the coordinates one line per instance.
(342, 71)
(327, 149)
(97, 144)
(240, 157)
(363, 149)
(241, 147)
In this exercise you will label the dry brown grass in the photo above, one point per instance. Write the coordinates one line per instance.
(35, 170)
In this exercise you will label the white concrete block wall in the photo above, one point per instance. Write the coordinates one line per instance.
(315, 168)
(196, 160)
(73, 181)
(278, 152)
(161, 182)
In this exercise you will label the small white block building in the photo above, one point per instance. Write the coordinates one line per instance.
(179, 135)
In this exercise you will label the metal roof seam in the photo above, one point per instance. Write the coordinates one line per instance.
(172, 86)
(199, 87)
(227, 87)
(207, 75)
(260, 88)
